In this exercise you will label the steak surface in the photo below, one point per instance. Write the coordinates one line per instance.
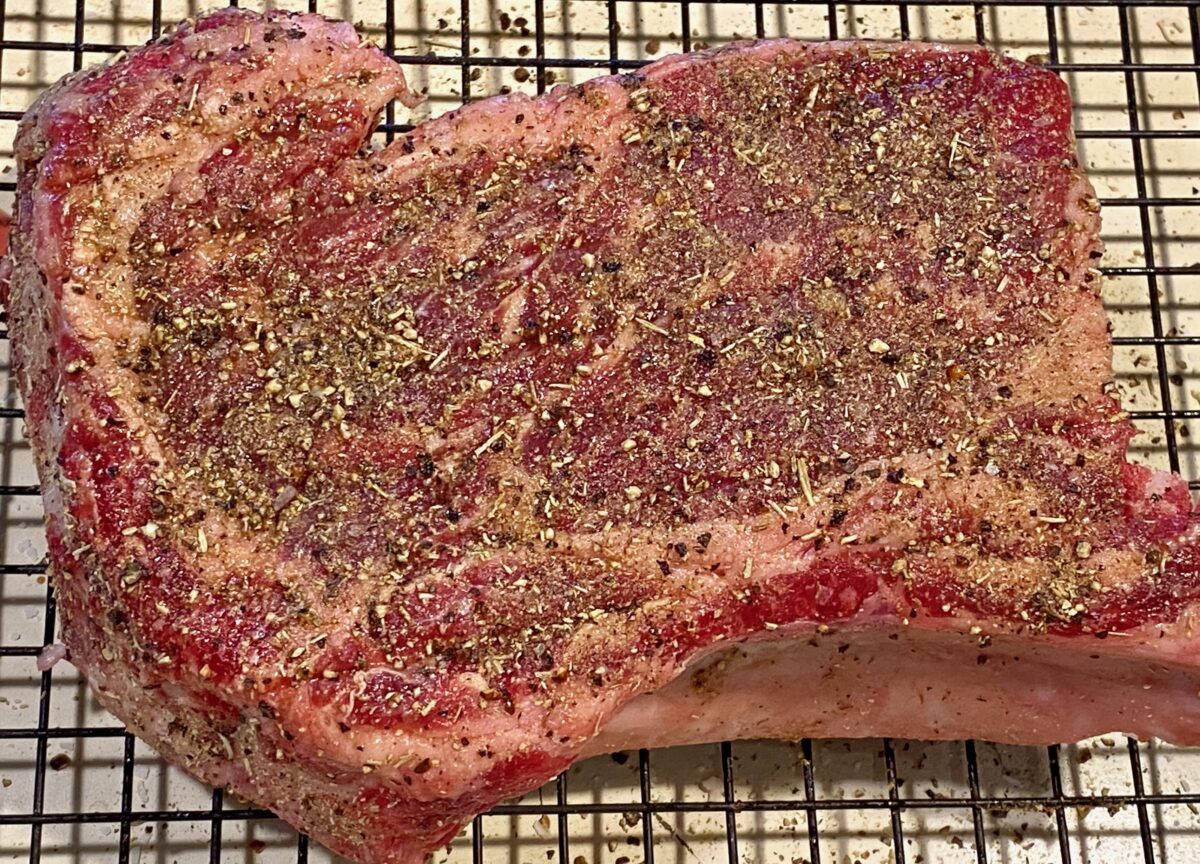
(762, 392)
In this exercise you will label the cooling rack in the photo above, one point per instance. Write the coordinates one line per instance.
(75, 788)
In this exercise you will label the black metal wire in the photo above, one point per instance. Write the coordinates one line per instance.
(1139, 802)
(40, 748)
(126, 798)
(730, 804)
(389, 45)
(464, 24)
(810, 800)
(614, 44)
(730, 796)
(1060, 818)
(560, 795)
(981, 856)
(893, 781)
(649, 808)
(653, 807)
(1139, 177)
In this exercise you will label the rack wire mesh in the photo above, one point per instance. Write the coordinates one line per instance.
(75, 787)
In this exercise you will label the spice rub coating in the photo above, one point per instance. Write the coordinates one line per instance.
(379, 480)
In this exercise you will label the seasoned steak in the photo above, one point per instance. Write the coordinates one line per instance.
(384, 484)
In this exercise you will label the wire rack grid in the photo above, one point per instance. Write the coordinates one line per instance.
(75, 787)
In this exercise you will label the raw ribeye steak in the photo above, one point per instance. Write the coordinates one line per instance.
(762, 392)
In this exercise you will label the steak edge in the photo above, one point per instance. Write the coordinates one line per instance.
(382, 485)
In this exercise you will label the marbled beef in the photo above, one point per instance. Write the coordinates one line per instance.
(765, 391)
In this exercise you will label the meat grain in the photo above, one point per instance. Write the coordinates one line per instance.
(762, 392)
